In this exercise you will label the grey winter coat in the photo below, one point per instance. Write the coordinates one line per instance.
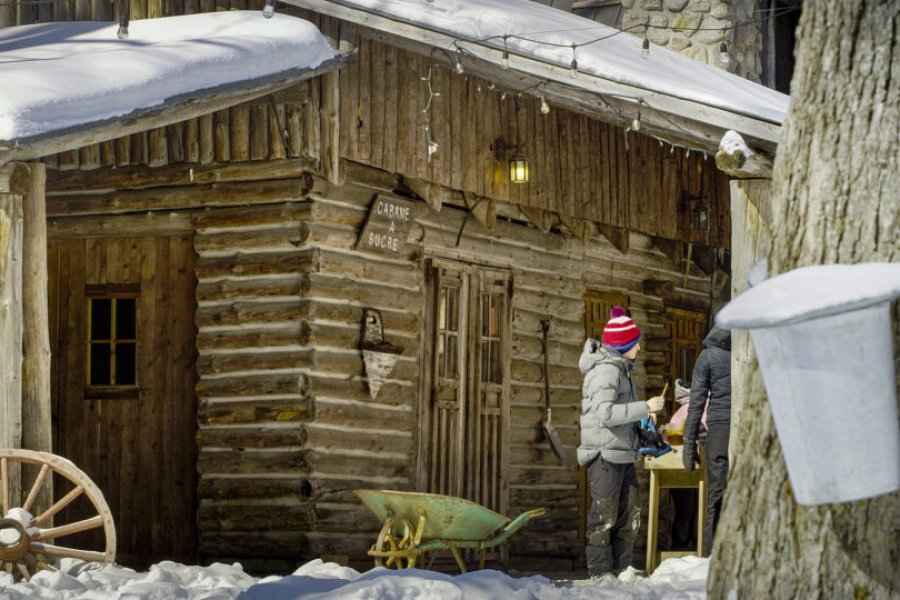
(609, 409)
(711, 379)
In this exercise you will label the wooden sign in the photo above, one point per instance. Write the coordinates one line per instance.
(387, 226)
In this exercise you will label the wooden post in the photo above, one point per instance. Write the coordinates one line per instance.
(11, 305)
(36, 417)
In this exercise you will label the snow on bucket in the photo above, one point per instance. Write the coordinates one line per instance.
(823, 340)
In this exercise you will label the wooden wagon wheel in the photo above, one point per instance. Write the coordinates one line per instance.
(23, 541)
(397, 539)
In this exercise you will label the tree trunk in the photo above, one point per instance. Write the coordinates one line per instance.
(835, 201)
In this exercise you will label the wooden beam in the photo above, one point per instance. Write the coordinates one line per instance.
(674, 249)
(11, 320)
(739, 160)
(155, 224)
(669, 104)
(36, 406)
(329, 112)
(483, 209)
(173, 110)
(580, 228)
(618, 236)
(704, 257)
(14, 178)
(179, 197)
(663, 288)
(142, 176)
(432, 193)
(542, 219)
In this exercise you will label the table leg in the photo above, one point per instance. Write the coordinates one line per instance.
(652, 522)
(701, 516)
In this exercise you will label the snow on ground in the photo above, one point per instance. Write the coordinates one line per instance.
(674, 578)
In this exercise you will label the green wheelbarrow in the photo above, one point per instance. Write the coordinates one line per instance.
(416, 523)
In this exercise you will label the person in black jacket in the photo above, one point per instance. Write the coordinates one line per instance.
(711, 381)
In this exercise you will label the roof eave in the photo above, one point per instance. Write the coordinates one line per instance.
(172, 110)
(677, 120)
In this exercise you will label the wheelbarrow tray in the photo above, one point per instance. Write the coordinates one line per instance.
(430, 522)
(447, 517)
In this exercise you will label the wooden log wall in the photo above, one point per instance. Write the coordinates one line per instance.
(550, 275)
(286, 426)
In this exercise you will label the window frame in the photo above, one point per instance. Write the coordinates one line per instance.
(114, 293)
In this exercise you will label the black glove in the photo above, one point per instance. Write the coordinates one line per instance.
(689, 455)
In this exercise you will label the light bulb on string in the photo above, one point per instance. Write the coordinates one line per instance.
(573, 66)
(269, 9)
(645, 48)
(504, 60)
(545, 106)
(723, 53)
(459, 65)
(636, 123)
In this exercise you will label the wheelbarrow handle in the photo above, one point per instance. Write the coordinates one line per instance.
(513, 526)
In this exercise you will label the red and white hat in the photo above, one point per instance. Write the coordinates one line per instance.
(620, 332)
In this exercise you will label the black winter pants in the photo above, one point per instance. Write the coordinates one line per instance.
(614, 518)
(716, 478)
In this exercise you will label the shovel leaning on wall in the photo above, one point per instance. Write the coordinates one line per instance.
(558, 448)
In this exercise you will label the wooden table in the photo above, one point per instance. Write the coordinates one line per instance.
(667, 471)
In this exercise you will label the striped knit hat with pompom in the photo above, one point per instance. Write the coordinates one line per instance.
(620, 332)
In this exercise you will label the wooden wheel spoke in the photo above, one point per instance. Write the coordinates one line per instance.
(36, 563)
(54, 550)
(38, 482)
(23, 570)
(59, 505)
(64, 530)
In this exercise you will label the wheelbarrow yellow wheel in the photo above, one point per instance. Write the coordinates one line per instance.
(396, 547)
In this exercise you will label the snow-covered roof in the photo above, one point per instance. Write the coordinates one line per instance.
(59, 76)
(613, 66)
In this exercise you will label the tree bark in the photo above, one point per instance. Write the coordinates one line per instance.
(835, 201)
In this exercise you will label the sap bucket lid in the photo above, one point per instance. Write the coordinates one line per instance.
(811, 292)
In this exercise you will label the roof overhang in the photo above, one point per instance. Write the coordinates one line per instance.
(88, 88)
(173, 110)
(677, 120)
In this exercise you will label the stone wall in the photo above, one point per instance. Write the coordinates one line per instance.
(696, 28)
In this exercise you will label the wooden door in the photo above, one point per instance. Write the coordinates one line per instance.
(597, 305)
(465, 423)
(124, 408)
(686, 330)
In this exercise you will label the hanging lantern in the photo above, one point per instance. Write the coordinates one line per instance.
(518, 167)
(701, 217)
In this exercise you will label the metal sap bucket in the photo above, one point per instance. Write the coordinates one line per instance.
(823, 340)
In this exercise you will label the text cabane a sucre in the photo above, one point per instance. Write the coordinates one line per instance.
(387, 226)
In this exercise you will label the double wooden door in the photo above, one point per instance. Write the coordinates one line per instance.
(465, 421)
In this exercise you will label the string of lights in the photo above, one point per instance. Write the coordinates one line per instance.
(456, 51)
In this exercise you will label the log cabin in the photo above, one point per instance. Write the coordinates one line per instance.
(209, 273)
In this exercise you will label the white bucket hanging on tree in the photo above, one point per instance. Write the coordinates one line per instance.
(823, 339)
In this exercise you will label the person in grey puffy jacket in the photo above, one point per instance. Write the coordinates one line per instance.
(711, 381)
(610, 414)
